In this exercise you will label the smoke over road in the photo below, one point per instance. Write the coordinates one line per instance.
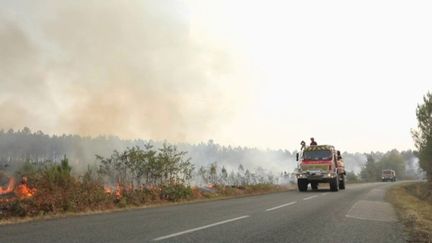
(106, 67)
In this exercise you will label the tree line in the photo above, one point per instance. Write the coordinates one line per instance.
(403, 163)
(18, 146)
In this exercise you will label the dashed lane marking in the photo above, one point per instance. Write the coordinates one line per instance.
(281, 206)
(200, 228)
(307, 198)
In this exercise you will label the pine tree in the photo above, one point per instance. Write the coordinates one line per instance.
(423, 135)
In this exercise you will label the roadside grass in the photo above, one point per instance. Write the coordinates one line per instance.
(218, 193)
(413, 204)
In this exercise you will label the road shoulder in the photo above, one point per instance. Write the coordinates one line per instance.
(413, 204)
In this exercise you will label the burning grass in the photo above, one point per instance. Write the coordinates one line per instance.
(56, 196)
(49, 189)
(413, 203)
(133, 178)
(93, 198)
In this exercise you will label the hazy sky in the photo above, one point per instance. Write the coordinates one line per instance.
(250, 73)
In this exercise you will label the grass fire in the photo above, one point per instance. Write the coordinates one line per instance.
(12, 191)
(134, 177)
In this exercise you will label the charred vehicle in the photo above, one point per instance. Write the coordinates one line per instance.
(320, 164)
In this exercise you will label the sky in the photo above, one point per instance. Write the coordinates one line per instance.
(264, 74)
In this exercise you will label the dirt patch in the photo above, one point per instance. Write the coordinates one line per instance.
(413, 204)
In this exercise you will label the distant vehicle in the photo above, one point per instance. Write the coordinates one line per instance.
(388, 175)
(320, 164)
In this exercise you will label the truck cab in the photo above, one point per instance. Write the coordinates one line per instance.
(320, 164)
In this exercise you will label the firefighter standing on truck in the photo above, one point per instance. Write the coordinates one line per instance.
(303, 145)
(313, 142)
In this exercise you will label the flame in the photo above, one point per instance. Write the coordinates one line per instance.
(107, 189)
(10, 186)
(22, 191)
(117, 191)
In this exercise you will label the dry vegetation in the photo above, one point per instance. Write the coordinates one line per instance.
(134, 178)
(413, 203)
(60, 203)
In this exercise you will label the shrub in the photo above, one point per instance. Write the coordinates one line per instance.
(175, 192)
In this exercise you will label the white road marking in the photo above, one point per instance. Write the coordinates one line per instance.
(324, 194)
(307, 198)
(280, 206)
(199, 228)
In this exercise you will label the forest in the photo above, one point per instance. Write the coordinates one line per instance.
(17, 147)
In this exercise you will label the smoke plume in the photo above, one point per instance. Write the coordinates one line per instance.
(127, 68)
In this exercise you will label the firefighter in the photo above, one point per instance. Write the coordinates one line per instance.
(313, 142)
(303, 145)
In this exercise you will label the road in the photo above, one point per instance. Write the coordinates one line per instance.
(357, 214)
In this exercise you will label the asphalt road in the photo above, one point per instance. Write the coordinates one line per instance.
(357, 214)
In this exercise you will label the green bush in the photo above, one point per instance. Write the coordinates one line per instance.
(175, 192)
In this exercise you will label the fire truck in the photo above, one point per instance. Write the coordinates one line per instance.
(388, 175)
(320, 164)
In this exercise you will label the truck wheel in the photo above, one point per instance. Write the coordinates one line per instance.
(302, 185)
(314, 186)
(334, 184)
(342, 183)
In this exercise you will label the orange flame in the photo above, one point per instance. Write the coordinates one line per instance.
(10, 186)
(107, 189)
(23, 191)
(117, 191)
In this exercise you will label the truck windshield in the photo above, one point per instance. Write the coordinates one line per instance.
(317, 155)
